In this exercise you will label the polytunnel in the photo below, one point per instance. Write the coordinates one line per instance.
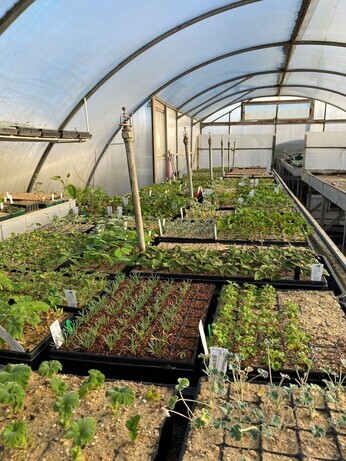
(172, 230)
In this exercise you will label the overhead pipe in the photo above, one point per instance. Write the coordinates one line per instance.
(127, 135)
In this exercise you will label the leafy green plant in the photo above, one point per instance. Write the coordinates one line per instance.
(65, 406)
(132, 425)
(12, 393)
(58, 386)
(95, 380)
(81, 432)
(50, 368)
(18, 373)
(119, 396)
(15, 434)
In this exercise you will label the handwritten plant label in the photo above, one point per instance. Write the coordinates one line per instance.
(218, 358)
(56, 332)
(203, 338)
(71, 298)
(316, 272)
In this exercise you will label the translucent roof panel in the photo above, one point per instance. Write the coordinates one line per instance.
(240, 65)
(57, 50)
(319, 57)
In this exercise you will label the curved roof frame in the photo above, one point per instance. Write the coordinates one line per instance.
(13, 13)
(261, 88)
(269, 87)
(250, 75)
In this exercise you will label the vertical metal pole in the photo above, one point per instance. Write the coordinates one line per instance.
(127, 135)
(210, 159)
(344, 237)
(323, 210)
(228, 153)
(308, 199)
(222, 158)
(188, 163)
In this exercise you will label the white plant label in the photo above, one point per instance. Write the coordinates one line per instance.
(207, 192)
(61, 196)
(109, 211)
(182, 212)
(252, 181)
(276, 190)
(173, 176)
(160, 227)
(119, 211)
(218, 358)
(52, 197)
(257, 181)
(149, 232)
(252, 193)
(203, 338)
(7, 194)
(5, 199)
(125, 201)
(75, 210)
(150, 192)
(316, 272)
(240, 200)
(55, 329)
(221, 178)
(125, 224)
(164, 222)
(43, 199)
(1, 206)
(215, 232)
(71, 298)
(11, 199)
(242, 183)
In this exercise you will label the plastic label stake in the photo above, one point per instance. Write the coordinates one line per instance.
(160, 227)
(276, 190)
(61, 196)
(75, 210)
(1, 206)
(252, 193)
(218, 358)
(7, 194)
(56, 332)
(215, 232)
(52, 197)
(119, 211)
(71, 298)
(203, 338)
(316, 272)
(11, 199)
(182, 212)
(109, 211)
(125, 201)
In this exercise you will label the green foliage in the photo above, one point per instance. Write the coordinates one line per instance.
(65, 406)
(17, 373)
(58, 385)
(81, 432)
(152, 395)
(95, 380)
(132, 425)
(119, 396)
(15, 434)
(49, 369)
(12, 393)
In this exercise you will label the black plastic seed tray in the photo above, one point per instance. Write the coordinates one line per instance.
(300, 243)
(136, 368)
(29, 206)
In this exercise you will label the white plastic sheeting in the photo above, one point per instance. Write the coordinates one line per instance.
(190, 54)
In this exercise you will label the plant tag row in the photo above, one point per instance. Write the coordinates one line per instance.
(218, 358)
(71, 298)
(56, 332)
(203, 338)
(316, 272)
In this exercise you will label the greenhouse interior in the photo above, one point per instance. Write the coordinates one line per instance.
(195, 147)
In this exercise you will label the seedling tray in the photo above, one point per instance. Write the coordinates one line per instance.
(293, 284)
(300, 243)
(138, 368)
(29, 206)
(32, 358)
(49, 204)
(293, 441)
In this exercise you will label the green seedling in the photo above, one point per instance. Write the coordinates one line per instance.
(58, 385)
(19, 373)
(95, 380)
(15, 434)
(81, 432)
(119, 396)
(132, 425)
(49, 369)
(65, 406)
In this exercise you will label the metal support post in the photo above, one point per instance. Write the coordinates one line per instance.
(228, 154)
(222, 158)
(188, 162)
(323, 210)
(308, 199)
(210, 159)
(344, 239)
(127, 135)
(233, 161)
